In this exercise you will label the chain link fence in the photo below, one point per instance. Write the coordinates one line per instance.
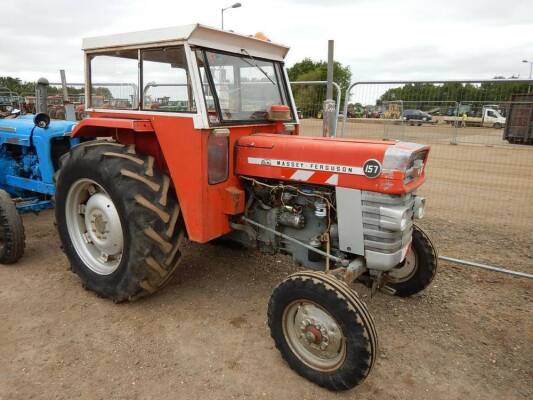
(480, 174)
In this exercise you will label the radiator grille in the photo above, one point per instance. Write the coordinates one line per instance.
(376, 237)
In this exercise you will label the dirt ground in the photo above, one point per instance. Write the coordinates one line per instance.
(470, 335)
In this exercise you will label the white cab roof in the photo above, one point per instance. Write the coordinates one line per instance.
(195, 34)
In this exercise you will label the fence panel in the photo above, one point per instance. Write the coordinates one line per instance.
(309, 97)
(479, 186)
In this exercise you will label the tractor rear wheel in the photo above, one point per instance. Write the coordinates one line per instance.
(12, 239)
(118, 219)
(323, 330)
(418, 269)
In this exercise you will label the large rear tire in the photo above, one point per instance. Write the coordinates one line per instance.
(118, 219)
(323, 330)
(12, 239)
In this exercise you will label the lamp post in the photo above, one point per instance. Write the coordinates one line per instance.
(236, 5)
(530, 72)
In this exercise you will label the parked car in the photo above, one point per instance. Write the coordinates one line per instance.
(416, 115)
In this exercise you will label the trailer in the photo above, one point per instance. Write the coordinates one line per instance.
(519, 128)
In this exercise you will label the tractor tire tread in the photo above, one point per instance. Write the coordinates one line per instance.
(155, 231)
(344, 304)
(14, 239)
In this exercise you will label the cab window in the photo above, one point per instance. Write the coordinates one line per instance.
(166, 81)
(240, 87)
(114, 77)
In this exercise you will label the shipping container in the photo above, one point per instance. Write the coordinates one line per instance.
(519, 127)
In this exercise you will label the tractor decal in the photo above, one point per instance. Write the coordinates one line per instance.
(311, 166)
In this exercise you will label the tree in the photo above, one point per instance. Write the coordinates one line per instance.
(28, 88)
(309, 98)
(419, 94)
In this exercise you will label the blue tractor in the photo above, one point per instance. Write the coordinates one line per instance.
(30, 149)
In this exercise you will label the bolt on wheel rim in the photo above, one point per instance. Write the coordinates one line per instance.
(313, 335)
(406, 270)
(94, 227)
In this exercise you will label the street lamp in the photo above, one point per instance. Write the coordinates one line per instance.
(236, 5)
(530, 73)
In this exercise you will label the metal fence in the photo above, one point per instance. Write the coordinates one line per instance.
(309, 97)
(479, 186)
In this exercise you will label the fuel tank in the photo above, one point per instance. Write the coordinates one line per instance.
(384, 166)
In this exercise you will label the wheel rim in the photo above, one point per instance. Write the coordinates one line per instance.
(313, 335)
(94, 227)
(404, 271)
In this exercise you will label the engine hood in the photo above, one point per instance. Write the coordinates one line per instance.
(376, 165)
(19, 130)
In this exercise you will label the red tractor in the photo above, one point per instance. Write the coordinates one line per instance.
(224, 159)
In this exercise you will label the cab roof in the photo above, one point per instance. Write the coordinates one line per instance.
(194, 34)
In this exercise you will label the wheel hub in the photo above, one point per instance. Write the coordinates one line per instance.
(94, 226)
(404, 271)
(314, 335)
(103, 224)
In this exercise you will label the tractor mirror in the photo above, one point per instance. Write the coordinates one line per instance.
(41, 120)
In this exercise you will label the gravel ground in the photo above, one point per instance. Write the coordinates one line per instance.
(204, 336)
(470, 335)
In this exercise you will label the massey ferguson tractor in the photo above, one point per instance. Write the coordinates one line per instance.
(224, 159)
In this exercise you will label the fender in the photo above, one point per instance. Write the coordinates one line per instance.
(138, 132)
(104, 127)
(181, 152)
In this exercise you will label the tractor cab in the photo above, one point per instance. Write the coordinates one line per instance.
(193, 88)
(215, 78)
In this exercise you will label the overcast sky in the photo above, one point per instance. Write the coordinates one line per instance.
(378, 39)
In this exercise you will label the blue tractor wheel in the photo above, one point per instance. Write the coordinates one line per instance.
(12, 239)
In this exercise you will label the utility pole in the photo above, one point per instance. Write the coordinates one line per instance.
(329, 109)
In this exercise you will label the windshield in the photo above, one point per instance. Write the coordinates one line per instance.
(240, 87)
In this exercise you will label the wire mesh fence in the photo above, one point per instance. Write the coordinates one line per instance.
(480, 172)
(309, 97)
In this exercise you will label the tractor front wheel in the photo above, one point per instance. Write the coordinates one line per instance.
(118, 219)
(12, 240)
(323, 330)
(418, 269)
